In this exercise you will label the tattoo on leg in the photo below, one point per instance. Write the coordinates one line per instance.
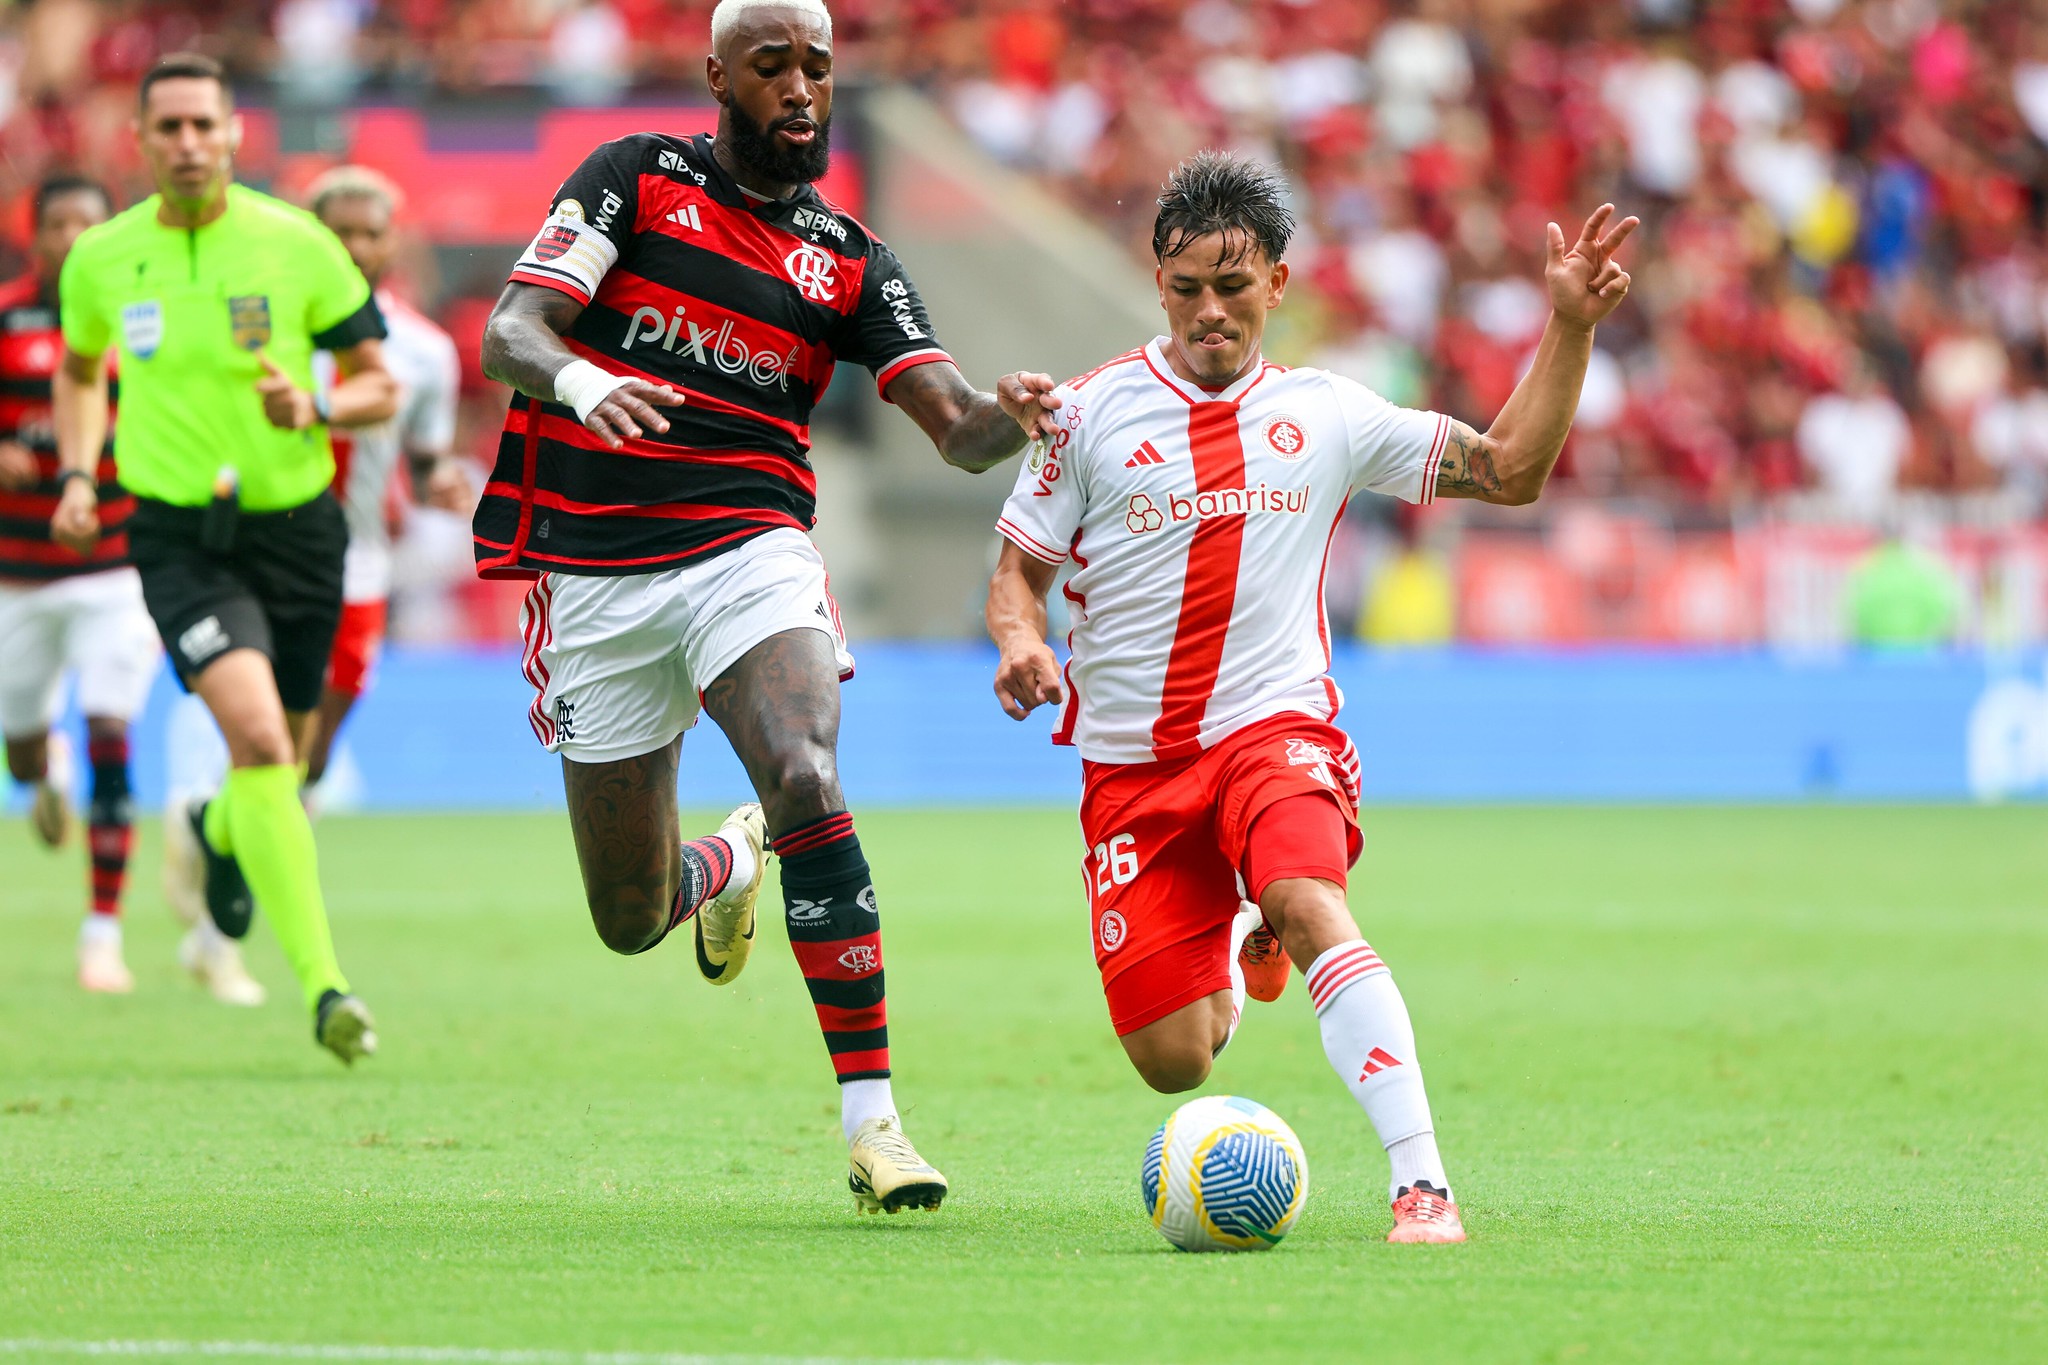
(779, 705)
(1467, 465)
(623, 815)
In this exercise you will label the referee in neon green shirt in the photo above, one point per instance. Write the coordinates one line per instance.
(216, 297)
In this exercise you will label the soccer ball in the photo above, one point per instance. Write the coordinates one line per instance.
(1224, 1174)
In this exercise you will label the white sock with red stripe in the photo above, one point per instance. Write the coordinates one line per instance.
(1371, 1044)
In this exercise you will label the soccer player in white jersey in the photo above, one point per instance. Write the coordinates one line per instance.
(358, 204)
(1196, 486)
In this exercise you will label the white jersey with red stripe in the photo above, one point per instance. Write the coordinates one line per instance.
(1201, 524)
(422, 358)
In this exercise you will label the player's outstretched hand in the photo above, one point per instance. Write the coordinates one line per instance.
(76, 523)
(630, 411)
(286, 406)
(1029, 400)
(1585, 283)
(1027, 678)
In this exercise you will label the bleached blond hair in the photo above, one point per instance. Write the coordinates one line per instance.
(352, 182)
(730, 13)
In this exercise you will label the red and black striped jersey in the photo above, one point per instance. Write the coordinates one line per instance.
(31, 345)
(741, 304)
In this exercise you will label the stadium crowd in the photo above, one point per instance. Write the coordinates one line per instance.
(1840, 311)
(1842, 285)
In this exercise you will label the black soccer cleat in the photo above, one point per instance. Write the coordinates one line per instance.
(229, 901)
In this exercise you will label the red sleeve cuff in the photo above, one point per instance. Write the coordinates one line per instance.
(555, 282)
(930, 355)
(1017, 537)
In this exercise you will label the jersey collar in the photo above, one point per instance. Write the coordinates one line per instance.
(1155, 359)
(727, 190)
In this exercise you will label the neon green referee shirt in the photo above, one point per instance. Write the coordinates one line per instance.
(188, 309)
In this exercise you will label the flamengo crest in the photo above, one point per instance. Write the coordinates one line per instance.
(813, 271)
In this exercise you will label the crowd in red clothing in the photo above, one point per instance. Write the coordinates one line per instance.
(1842, 284)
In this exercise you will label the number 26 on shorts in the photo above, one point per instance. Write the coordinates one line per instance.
(1116, 863)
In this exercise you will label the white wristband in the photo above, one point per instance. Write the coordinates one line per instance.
(583, 386)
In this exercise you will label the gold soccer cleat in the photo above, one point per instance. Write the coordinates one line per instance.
(725, 924)
(50, 815)
(886, 1174)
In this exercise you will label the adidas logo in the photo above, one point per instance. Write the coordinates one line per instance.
(686, 216)
(1144, 455)
(1378, 1060)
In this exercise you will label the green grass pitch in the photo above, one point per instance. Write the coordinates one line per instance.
(1713, 1084)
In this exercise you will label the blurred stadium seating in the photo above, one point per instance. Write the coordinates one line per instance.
(1835, 343)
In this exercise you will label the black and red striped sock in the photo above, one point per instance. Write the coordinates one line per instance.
(110, 824)
(707, 868)
(836, 933)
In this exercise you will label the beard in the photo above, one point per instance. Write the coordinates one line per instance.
(755, 146)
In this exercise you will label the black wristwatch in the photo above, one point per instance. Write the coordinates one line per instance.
(65, 476)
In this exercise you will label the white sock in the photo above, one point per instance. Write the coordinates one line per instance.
(1247, 919)
(1371, 1045)
(742, 861)
(99, 929)
(860, 1101)
(205, 934)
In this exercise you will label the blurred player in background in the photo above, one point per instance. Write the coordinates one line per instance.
(1197, 486)
(216, 297)
(672, 565)
(60, 613)
(358, 204)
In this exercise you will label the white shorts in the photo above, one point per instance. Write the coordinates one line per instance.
(93, 624)
(618, 665)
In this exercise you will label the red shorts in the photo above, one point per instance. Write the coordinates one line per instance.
(1172, 854)
(356, 646)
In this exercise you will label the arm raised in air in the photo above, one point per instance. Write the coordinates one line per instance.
(1512, 460)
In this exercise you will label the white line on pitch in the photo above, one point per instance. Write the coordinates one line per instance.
(407, 1355)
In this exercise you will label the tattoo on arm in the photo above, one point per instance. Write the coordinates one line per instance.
(968, 426)
(1466, 469)
(523, 340)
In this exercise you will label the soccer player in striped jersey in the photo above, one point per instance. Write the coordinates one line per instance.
(670, 329)
(61, 612)
(1197, 487)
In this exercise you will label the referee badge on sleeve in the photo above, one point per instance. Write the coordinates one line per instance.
(249, 318)
(142, 328)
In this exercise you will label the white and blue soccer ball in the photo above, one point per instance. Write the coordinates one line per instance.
(1224, 1173)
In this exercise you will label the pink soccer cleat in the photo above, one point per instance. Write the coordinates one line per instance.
(1264, 962)
(1421, 1214)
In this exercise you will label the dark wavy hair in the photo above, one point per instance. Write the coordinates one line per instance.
(57, 186)
(1220, 192)
(184, 66)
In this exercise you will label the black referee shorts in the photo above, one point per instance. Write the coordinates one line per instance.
(277, 588)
